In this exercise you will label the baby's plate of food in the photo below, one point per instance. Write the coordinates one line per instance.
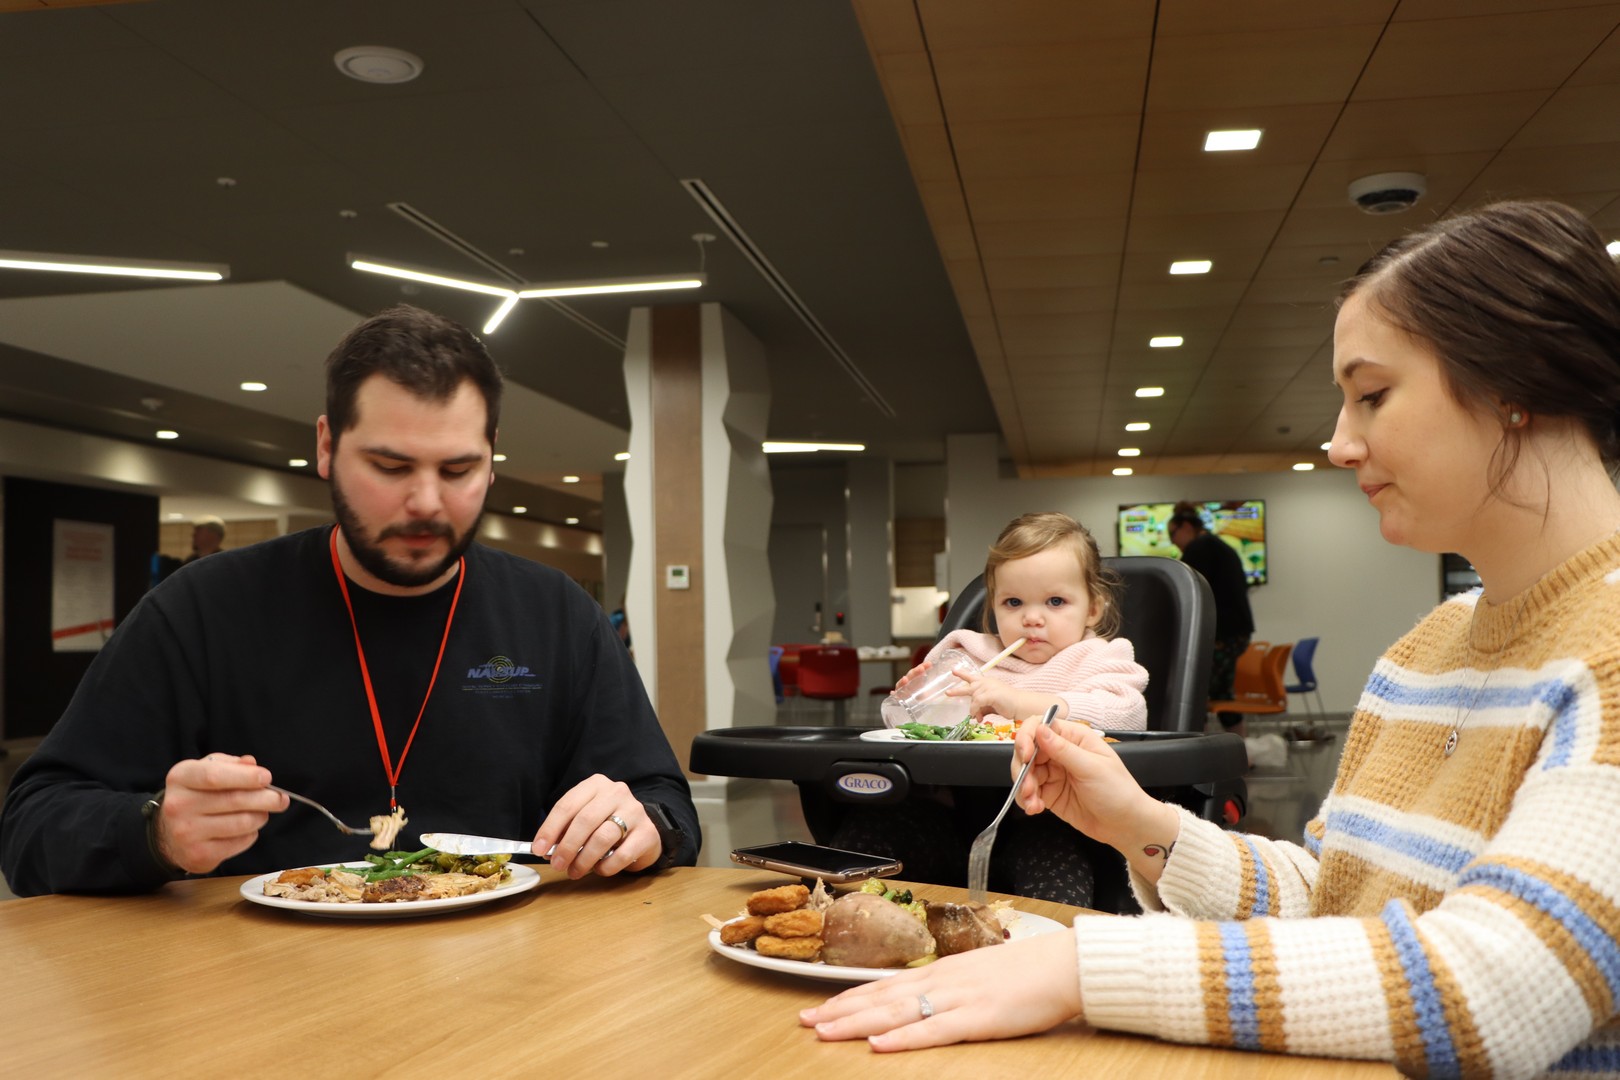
(978, 731)
(859, 936)
(395, 885)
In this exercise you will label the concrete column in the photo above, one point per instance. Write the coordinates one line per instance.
(869, 520)
(698, 497)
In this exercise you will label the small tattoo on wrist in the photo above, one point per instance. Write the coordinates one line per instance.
(1154, 851)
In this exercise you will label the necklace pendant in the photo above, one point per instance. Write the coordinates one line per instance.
(1451, 742)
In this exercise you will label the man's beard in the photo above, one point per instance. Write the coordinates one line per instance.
(368, 551)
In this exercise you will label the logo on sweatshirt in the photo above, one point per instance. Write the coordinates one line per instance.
(500, 677)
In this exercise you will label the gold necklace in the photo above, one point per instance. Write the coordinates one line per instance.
(1454, 736)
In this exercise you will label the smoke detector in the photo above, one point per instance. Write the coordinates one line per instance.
(378, 64)
(1388, 193)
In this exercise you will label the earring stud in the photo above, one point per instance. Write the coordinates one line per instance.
(1515, 418)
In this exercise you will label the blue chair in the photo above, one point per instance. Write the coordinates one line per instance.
(776, 672)
(1304, 653)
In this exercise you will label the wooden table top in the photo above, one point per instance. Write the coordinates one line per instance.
(615, 977)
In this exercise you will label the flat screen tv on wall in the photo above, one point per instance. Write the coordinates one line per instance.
(1240, 524)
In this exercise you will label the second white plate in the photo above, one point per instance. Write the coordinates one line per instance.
(522, 880)
(1027, 926)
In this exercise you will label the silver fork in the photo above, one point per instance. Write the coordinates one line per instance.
(960, 731)
(979, 853)
(333, 818)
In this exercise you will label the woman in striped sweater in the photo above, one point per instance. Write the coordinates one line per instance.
(1454, 907)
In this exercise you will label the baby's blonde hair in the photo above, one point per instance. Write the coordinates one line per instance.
(1031, 534)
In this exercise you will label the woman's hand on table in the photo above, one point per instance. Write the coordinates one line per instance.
(996, 992)
(213, 808)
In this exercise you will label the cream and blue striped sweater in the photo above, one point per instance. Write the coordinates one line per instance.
(1464, 912)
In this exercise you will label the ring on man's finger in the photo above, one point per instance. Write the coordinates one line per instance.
(924, 1006)
(608, 854)
(624, 830)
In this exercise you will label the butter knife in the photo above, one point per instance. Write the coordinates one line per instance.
(468, 844)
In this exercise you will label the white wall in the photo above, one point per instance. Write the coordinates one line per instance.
(1331, 575)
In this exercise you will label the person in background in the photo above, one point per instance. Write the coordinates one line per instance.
(207, 534)
(1044, 584)
(1454, 907)
(385, 661)
(1234, 622)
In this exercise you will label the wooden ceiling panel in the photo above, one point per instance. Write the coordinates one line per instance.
(1303, 66)
(1602, 66)
(1063, 146)
(1551, 170)
(1054, 335)
(1039, 239)
(1573, 116)
(1193, 323)
(1078, 271)
(1094, 77)
(1170, 233)
(967, 24)
(908, 84)
(1049, 198)
(1097, 298)
(1453, 124)
(889, 26)
(1149, 296)
(929, 150)
(1183, 17)
(1484, 54)
(1226, 187)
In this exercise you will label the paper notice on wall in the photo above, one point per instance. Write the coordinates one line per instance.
(81, 586)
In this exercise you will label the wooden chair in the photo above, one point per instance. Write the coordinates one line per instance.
(1259, 686)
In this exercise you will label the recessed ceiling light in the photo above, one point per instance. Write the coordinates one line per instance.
(378, 64)
(1191, 266)
(1170, 341)
(570, 479)
(1124, 470)
(177, 517)
(1303, 466)
(167, 434)
(520, 509)
(1613, 248)
(1150, 391)
(500, 457)
(1138, 425)
(1129, 451)
(622, 455)
(1241, 139)
(254, 387)
(1327, 446)
(298, 462)
(571, 521)
(599, 243)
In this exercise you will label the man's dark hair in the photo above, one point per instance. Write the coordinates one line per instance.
(1185, 513)
(427, 354)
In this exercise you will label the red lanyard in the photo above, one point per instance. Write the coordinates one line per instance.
(389, 767)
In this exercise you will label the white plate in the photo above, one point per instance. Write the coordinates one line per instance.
(522, 880)
(896, 735)
(1026, 926)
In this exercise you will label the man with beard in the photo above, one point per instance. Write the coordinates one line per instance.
(387, 661)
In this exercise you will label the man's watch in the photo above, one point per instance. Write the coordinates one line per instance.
(150, 809)
(669, 835)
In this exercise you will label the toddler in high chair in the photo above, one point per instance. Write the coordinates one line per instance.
(1044, 582)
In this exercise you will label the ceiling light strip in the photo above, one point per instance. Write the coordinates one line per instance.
(361, 262)
(450, 239)
(99, 264)
(751, 251)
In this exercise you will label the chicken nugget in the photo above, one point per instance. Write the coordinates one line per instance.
(788, 948)
(743, 930)
(794, 924)
(777, 900)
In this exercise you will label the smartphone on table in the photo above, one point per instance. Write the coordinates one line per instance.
(835, 866)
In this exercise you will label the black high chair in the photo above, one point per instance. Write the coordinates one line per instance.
(1167, 613)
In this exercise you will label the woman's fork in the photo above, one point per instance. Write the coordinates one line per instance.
(333, 818)
(979, 853)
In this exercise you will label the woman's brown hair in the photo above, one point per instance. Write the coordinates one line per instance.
(1031, 534)
(1520, 302)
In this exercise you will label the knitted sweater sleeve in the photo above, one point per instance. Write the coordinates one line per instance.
(1102, 683)
(1508, 964)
